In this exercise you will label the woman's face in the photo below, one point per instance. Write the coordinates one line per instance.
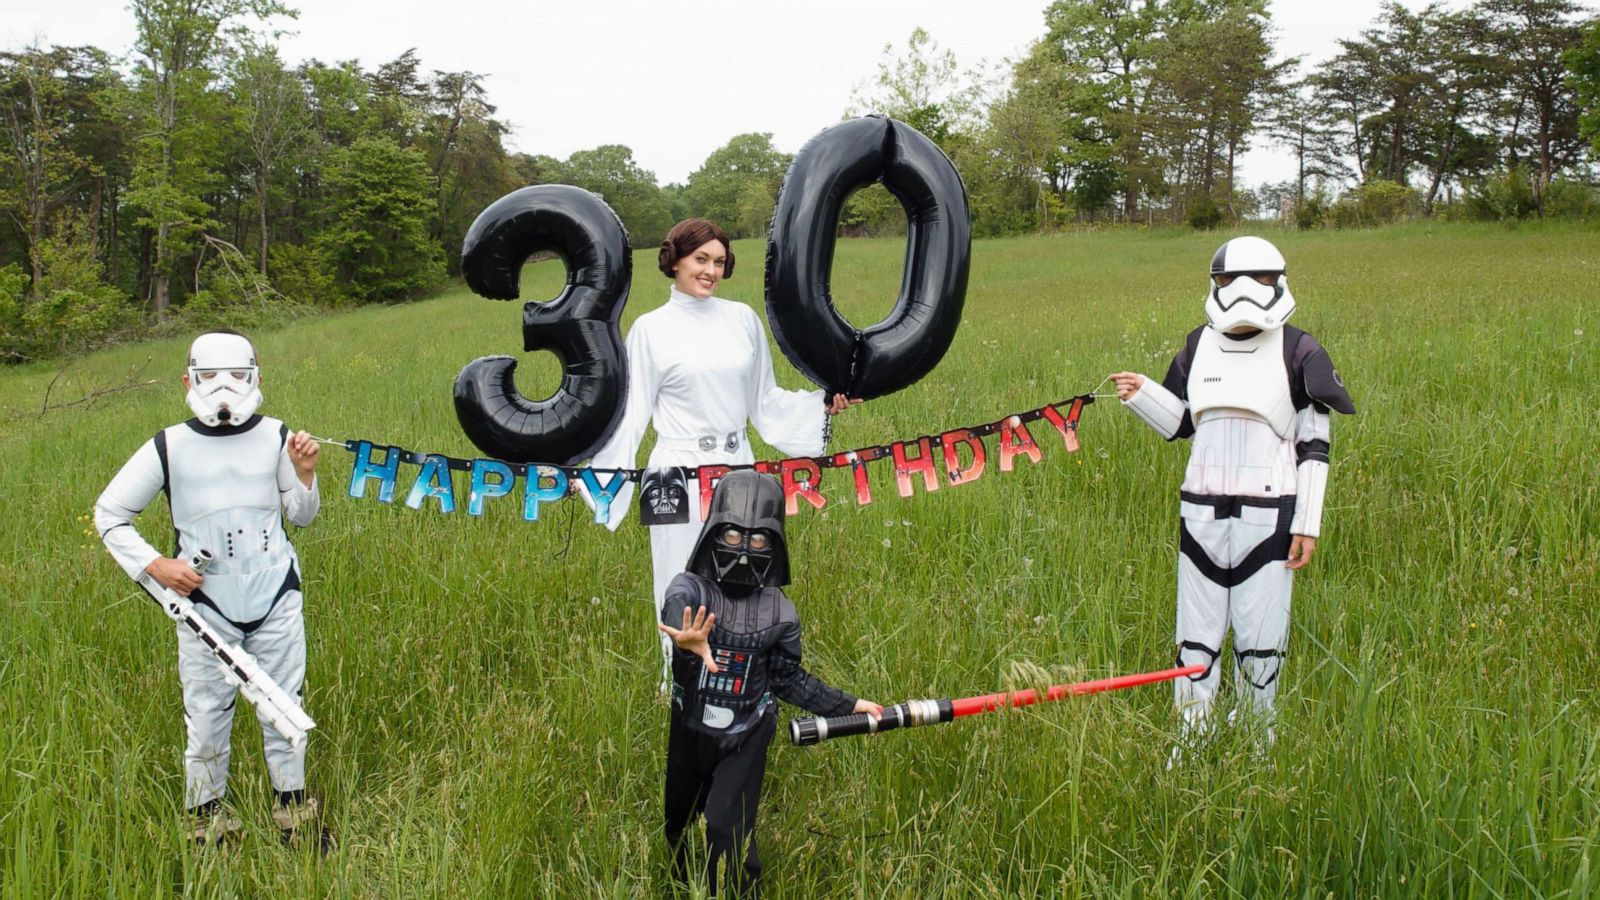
(698, 273)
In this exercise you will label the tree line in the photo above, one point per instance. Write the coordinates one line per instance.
(202, 177)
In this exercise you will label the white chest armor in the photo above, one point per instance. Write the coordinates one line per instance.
(1247, 375)
(225, 499)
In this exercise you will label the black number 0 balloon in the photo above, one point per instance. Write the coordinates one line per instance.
(579, 325)
(907, 344)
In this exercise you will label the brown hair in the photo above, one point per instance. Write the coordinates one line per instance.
(688, 236)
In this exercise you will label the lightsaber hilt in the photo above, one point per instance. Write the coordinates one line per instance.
(201, 561)
(812, 730)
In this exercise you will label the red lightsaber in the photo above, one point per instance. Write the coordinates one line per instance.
(812, 730)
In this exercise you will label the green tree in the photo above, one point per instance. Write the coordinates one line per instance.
(462, 141)
(1301, 122)
(41, 169)
(179, 41)
(736, 182)
(1114, 43)
(272, 103)
(1583, 76)
(632, 193)
(1530, 39)
(925, 88)
(1204, 104)
(380, 207)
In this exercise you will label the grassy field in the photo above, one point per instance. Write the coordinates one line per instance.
(485, 688)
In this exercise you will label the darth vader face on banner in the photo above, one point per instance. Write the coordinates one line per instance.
(664, 497)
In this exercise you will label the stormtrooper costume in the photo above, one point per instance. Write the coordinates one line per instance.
(722, 722)
(699, 368)
(1254, 395)
(229, 481)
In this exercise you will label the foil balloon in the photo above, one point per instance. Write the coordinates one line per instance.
(906, 345)
(580, 325)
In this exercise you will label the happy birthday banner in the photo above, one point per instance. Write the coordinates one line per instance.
(664, 498)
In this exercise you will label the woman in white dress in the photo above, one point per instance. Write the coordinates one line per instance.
(699, 368)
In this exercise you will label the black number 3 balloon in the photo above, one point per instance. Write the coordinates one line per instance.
(579, 325)
(902, 348)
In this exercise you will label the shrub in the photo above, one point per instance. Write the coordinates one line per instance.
(304, 275)
(1375, 203)
(1569, 198)
(1204, 214)
(1502, 197)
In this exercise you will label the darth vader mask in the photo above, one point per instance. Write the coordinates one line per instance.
(664, 497)
(743, 541)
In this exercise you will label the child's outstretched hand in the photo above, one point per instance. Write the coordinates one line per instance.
(1127, 383)
(870, 708)
(303, 450)
(692, 637)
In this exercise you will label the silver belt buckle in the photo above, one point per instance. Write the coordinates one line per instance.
(708, 443)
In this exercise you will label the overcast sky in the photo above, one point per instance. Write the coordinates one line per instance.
(672, 79)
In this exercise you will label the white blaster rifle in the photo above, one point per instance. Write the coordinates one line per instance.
(238, 667)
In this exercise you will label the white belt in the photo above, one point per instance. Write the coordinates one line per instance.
(705, 443)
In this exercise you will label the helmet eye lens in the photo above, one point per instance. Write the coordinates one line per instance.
(207, 376)
(1267, 278)
(733, 537)
(759, 540)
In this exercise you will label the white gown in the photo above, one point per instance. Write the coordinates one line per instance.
(698, 369)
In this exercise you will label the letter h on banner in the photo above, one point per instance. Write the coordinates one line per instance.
(921, 463)
(385, 472)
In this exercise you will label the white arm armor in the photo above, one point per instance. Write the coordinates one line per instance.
(1313, 431)
(1312, 483)
(1158, 407)
(134, 486)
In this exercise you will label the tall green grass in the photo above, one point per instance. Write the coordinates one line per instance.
(485, 687)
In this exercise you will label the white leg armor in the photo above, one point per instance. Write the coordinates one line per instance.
(279, 646)
(1232, 572)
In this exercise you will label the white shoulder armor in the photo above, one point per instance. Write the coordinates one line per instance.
(1248, 375)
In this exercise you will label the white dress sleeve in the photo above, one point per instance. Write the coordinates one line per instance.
(622, 451)
(300, 503)
(134, 486)
(795, 422)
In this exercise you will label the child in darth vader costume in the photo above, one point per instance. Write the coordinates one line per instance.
(1255, 396)
(737, 650)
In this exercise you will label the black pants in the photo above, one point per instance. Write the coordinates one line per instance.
(724, 783)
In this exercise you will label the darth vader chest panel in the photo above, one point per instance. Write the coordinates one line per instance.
(1247, 375)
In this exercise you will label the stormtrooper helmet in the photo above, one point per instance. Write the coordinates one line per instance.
(743, 542)
(224, 381)
(1248, 287)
